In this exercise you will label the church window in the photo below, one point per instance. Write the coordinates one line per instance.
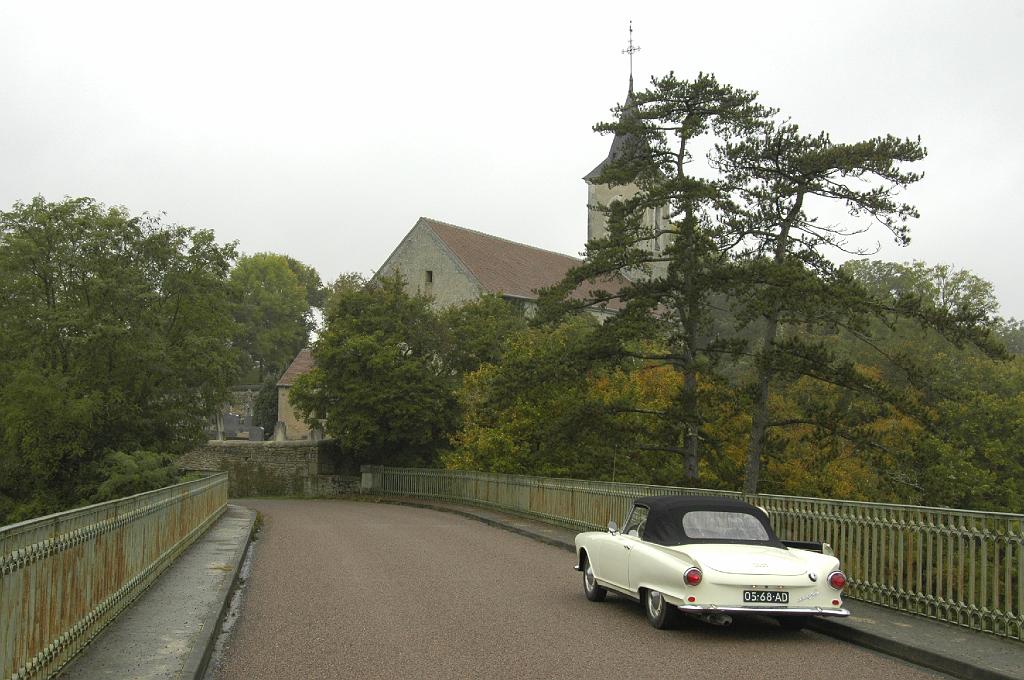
(430, 276)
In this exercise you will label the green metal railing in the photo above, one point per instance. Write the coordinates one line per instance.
(958, 566)
(63, 577)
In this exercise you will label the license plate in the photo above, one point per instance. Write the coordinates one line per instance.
(766, 596)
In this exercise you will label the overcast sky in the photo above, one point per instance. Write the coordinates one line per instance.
(323, 130)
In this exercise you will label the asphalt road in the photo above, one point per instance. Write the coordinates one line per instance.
(359, 590)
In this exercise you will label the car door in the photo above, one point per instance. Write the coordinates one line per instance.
(616, 552)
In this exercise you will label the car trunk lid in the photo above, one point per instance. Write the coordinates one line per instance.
(745, 559)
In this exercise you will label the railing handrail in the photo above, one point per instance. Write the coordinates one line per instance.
(86, 509)
(724, 492)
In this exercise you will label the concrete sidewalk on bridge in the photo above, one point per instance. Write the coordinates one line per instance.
(955, 650)
(169, 632)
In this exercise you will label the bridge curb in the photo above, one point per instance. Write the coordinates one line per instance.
(906, 652)
(199, 658)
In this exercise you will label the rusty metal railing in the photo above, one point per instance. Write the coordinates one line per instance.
(959, 566)
(63, 577)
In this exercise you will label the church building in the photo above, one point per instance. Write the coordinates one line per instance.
(455, 265)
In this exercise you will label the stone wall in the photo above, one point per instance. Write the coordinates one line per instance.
(300, 468)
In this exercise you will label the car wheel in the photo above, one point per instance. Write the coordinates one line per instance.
(660, 613)
(594, 592)
(793, 622)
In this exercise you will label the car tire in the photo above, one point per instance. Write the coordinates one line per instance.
(793, 622)
(660, 613)
(594, 592)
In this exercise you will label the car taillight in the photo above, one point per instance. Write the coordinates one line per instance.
(837, 580)
(692, 576)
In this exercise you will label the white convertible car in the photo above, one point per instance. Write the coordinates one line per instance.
(711, 557)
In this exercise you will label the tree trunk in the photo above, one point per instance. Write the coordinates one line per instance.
(691, 328)
(759, 416)
(691, 438)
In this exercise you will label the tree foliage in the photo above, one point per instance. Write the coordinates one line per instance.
(669, 289)
(264, 411)
(850, 381)
(274, 300)
(475, 331)
(1011, 333)
(737, 283)
(388, 365)
(114, 336)
(784, 274)
(551, 406)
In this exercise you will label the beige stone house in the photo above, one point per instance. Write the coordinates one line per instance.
(294, 428)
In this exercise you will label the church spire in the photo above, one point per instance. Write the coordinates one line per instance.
(624, 142)
(631, 50)
(628, 156)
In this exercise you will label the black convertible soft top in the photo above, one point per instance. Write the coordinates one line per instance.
(665, 518)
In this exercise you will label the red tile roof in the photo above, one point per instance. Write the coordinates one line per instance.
(508, 268)
(302, 363)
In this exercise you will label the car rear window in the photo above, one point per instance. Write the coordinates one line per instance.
(716, 525)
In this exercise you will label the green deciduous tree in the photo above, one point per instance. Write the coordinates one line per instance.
(967, 451)
(942, 286)
(114, 336)
(551, 407)
(381, 382)
(388, 365)
(476, 331)
(316, 292)
(1011, 333)
(274, 297)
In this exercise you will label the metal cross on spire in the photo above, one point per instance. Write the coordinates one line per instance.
(631, 50)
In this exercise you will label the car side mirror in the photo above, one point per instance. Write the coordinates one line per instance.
(613, 528)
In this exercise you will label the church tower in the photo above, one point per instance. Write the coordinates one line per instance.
(600, 196)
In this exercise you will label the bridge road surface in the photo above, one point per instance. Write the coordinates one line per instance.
(342, 589)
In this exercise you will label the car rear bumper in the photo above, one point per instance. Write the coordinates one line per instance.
(771, 611)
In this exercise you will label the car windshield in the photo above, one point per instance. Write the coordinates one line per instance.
(711, 524)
